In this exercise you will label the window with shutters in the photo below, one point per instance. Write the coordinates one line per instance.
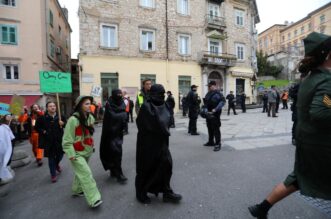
(184, 44)
(11, 3)
(8, 34)
(183, 7)
(239, 14)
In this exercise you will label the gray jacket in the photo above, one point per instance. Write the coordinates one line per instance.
(272, 96)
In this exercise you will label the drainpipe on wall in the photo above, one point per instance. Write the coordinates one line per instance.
(167, 41)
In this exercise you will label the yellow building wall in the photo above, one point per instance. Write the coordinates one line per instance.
(130, 69)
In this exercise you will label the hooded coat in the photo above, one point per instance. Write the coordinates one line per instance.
(153, 158)
(112, 134)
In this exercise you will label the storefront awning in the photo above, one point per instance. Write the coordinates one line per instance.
(241, 72)
(29, 99)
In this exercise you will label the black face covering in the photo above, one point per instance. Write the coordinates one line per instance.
(157, 94)
(116, 96)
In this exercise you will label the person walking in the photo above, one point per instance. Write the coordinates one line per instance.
(171, 104)
(6, 149)
(193, 102)
(284, 98)
(214, 101)
(143, 94)
(50, 129)
(243, 102)
(294, 96)
(78, 146)
(272, 99)
(153, 158)
(265, 102)
(231, 103)
(35, 113)
(311, 174)
(112, 136)
(131, 109)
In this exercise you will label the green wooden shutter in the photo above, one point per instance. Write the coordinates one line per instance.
(4, 34)
(12, 35)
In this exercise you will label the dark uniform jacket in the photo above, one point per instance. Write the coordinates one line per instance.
(193, 102)
(230, 98)
(313, 153)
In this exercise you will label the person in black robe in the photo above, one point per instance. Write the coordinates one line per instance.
(112, 136)
(153, 158)
(171, 104)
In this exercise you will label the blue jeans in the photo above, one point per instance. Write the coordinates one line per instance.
(53, 163)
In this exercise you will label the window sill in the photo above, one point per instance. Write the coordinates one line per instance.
(184, 55)
(241, 60)
(8, 6)
(183, 15)
(240, 26)
(14, 81)
(109, 48)
(146, 51)
(9, 44)
(147, 8)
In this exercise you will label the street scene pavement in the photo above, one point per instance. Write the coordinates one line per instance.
(256, 155)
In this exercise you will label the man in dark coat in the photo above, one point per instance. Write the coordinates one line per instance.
(243, 102)
(214, 101)
(153, 161)
(265, 102)
(311, 174)
(231, 103)
(193, 102)
(277, 101)
(50, 129)
(171, 104)
(112, 136)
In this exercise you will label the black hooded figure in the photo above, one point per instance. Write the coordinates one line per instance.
(153, 161)
(112, 135)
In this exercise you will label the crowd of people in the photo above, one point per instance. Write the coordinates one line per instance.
(52, 135)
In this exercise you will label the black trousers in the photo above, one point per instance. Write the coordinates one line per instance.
(285, 106)
(192, 126)
(233, 107)
(277, 107)
(243, 107)
(131, 115)
(265, 107)
(214, 131)
(172, 120)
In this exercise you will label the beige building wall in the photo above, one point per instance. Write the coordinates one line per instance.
(269, 41)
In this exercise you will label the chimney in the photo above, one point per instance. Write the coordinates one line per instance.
(286, 23)
(65, 11)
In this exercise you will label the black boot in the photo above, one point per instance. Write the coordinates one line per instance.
(217, 147)
(122, 179)
(260, 211)
(209, 144)
(171, 197)
(143, 198)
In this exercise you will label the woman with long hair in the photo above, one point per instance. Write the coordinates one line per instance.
(35, 113)
(50, 129)
(311, 174)
(78, 146)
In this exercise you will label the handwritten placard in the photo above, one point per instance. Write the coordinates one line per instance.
(55, 82)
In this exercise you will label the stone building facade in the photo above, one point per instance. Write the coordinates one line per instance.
(177, 43)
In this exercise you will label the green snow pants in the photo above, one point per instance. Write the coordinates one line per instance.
(84, 181)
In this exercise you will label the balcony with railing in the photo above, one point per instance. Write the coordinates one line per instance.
(216, 22)
(221, 59)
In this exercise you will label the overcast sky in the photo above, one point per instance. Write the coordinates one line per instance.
(271, 12)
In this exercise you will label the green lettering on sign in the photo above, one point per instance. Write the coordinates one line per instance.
(55, 82)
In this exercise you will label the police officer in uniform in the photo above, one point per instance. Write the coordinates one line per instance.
(214, 101)
(193, 102)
